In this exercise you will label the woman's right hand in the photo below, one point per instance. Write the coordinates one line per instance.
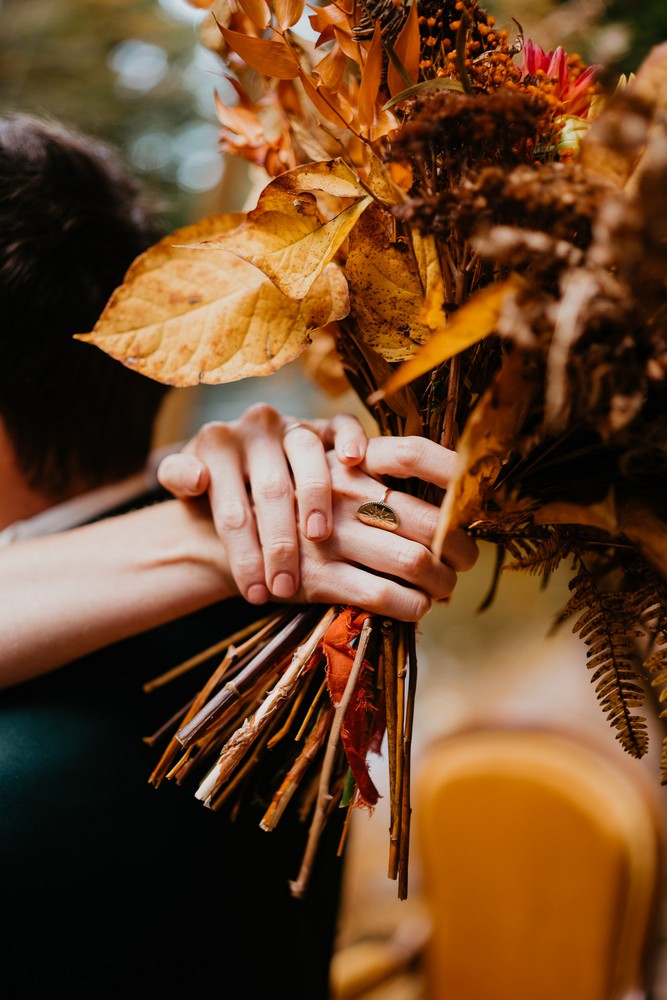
(390, 573)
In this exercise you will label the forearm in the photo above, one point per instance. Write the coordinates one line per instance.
(74, 592)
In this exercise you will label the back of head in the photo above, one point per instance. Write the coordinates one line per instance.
(71, 223)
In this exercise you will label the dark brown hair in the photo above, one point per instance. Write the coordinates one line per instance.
(71, 222)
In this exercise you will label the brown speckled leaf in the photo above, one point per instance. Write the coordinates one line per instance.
(385, 292)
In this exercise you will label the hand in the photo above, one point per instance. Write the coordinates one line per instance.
(253, 468)
(391, 573)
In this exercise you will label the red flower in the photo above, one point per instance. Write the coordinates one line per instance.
(573, 90)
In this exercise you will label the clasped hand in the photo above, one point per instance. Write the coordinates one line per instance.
(283, 498)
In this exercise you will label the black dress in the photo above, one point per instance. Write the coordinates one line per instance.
(111, 888)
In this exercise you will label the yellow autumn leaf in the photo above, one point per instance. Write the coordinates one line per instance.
(385, 291)
(183, 317)
(427, 256)
(471, 323)
(283, 236)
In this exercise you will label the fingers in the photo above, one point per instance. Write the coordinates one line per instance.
(411, 456)
(417, 518)
(310, 469)
(185, 476)
(345, 434)
(339, 582)
(305, 443)
(218, 446)
(377, 570)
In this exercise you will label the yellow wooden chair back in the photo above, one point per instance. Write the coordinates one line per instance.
(541, 865)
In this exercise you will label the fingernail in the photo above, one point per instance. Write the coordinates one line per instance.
(316, 525)
(257, 594)
(192, 477)
(352, 450)
(283, 585)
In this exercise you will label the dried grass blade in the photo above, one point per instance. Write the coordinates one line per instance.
(293, 777)
(239, 743)
(397, 791)
(259, 628)
(266, 661)
(406, 809)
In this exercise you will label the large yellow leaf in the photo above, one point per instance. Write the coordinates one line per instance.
(183, 317)
(385, 291)
(283, 237)
(472, 322)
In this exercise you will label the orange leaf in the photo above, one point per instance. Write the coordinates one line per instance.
(326, 102)
(472, 322)
(370, 82)
(324, 18)
(347, 44)
(240, 120)
(288, 12)
(271, 57)
(258, 12)
(331, 68)
(406, 49)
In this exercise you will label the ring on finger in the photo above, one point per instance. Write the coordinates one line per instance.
(297, 423)
(379, 514)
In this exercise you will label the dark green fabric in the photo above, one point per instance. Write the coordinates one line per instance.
(112, 888)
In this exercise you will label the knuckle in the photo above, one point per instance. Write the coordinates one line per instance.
(212, 433)
(279, 550)
(233, 517)
(275, 487)
(413, 561)
(260, 415)
(248, 568)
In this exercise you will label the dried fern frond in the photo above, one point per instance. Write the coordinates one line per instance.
(607, 623)
(651, 610)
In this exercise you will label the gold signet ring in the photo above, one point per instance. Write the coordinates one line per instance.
(379, 514)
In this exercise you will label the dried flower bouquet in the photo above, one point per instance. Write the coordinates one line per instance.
(477, 229)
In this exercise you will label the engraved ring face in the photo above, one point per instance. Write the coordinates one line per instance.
(379, 515)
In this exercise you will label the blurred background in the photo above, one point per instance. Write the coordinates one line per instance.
(135, 72)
